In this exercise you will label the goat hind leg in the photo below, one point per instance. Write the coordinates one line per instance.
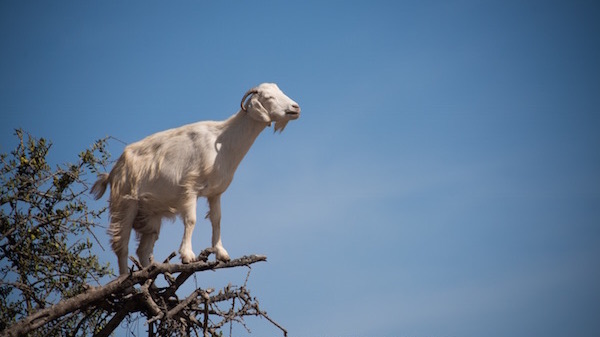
(148, 236)
(145, 248)
(122, 257)
(120, 229)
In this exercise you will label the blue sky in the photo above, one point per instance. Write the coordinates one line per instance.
(443, 179)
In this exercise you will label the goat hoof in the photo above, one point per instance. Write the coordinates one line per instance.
(188, 257)
(222, 254)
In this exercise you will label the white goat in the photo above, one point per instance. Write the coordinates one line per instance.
(164, 174)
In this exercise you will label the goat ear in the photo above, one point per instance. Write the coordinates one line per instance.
(257, 111)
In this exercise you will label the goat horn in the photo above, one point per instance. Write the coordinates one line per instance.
(248, 93)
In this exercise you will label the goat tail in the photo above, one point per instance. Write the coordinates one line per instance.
(100, 185)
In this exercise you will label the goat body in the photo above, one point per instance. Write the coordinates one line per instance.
(164, 174)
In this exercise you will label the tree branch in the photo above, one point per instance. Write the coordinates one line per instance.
(97, 296)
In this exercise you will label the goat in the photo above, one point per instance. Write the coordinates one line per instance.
(163, 175)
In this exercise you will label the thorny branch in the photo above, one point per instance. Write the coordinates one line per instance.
(166, 314)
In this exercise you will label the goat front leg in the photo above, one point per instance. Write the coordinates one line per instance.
(214, 214)
(188, 215)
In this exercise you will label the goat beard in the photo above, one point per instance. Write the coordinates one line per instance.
(280, 125)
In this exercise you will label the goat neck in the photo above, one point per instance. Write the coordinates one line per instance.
(238, 133)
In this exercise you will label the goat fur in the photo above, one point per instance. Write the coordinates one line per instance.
(163, 175)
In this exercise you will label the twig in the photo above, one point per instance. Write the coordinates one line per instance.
(206, 306)
(264, 314)
(116, 320)
(148, 300)
(136, 262)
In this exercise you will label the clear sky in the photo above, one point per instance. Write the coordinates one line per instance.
(443, 179)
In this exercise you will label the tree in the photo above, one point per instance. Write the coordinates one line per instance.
(46, 231)
(47, 261)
